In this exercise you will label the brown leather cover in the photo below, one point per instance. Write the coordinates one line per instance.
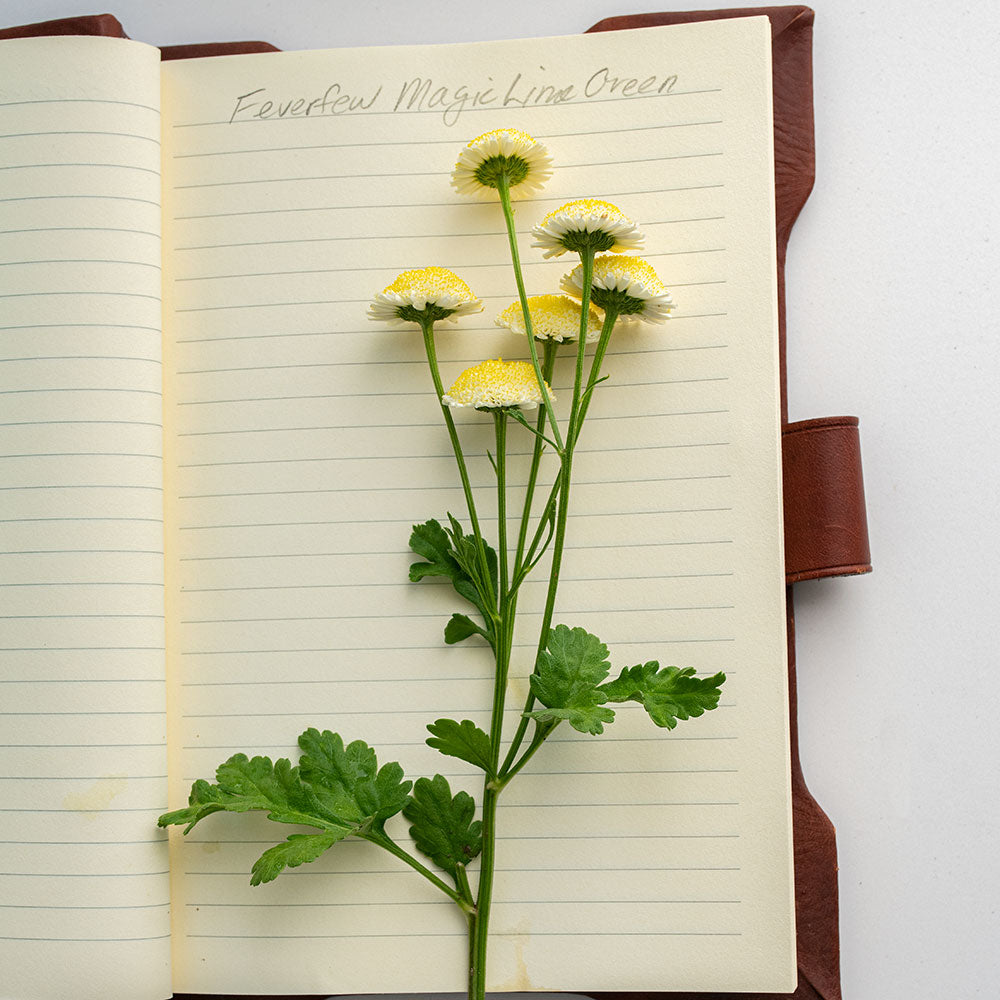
(214, 49)
(86, 24)
(108, 24)
(825, 526)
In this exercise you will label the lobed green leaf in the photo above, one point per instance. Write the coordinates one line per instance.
(347, 781)
(566, 680)
(296, 850)
(449, 552)
(443, 828)
(431, 541)
(244, 785)
(667, 694)
(461, 627)
(464, 740)
(338, 789)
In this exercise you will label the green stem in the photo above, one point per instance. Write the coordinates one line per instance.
(578, 411)
(610, 318)
(508, 214)
(500, 426)
(541, 735)
(549, 349)
(587, 263)
(479, 924)
(550, 597)
(462, 881)
(384, 840)
(427, 326)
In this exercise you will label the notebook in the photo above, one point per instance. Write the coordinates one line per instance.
(207, 515)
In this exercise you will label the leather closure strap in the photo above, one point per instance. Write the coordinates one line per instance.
(826, 527)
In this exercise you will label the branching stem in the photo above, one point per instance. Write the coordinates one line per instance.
(384, 840)
(427, 326)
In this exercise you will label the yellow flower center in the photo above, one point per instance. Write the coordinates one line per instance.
(496, 384)
(431, 282)
(589, 209)
(552, 316)
(609, 269)
(501, 133)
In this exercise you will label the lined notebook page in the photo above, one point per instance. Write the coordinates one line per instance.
(306, 440)
(83, 882)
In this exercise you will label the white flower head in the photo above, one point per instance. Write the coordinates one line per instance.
(586, 224)
(424, 293)
(496, 385)
(553, 317)
(626, 285)
(503, 153)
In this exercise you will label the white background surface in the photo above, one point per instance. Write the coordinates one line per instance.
(891, 317)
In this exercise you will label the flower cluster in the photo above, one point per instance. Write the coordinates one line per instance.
(622, 287)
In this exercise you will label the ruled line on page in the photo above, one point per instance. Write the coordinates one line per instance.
(77, 229)
(81, 100)
(438, 173)
(604, 133)
(123, 135)
(450, 265)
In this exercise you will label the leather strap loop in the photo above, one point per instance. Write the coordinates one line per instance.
(826, 527)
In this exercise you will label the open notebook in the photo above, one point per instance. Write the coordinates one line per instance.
(211, 459)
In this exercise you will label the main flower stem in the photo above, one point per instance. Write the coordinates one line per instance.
(479, 921)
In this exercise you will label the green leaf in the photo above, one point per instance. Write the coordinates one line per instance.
(583, 718)
(464, 740)
(443, 828)
(431, 541)
(453, 554)
(339, 790)
(460, 627)
(244, 785)
(667, 694)
(566, 680)
(347, 781)
(297, 850)
(466, 554)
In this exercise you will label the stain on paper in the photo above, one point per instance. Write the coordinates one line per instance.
(95, 799)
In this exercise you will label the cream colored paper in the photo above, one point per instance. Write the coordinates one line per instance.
(304, 442)
(83, 881)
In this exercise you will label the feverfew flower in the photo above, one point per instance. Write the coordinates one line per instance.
(586, 224)
(553, 317)
(496, 385)
(626, 286)
(425, 293)
(504, 152)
